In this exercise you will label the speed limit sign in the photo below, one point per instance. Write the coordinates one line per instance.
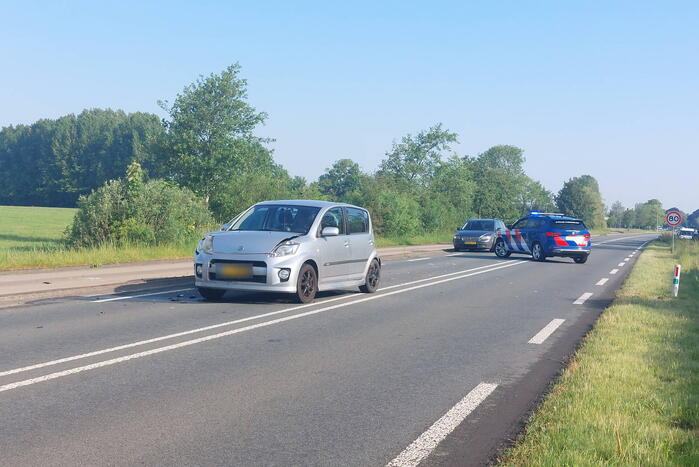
(673, 218)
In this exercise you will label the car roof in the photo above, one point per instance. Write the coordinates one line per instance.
(306, 202)
(484, 219)
(558, 217)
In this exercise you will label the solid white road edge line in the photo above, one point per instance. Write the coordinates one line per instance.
(219, 325)
(124, 297)
(419, 449)
(542, 335)
(613, 271)
(113, 361)
(418, 259)
(583, 298)
(602, 281)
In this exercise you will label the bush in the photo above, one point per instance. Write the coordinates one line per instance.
(396, 214)
(130, 211)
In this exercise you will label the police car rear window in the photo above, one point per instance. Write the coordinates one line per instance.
(567, 224)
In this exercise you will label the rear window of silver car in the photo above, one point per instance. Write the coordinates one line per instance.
(357, 221)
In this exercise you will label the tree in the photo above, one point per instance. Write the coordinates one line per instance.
(210, 133)
(501, 185)
(580, 197)
(616, 214)
(414, 161)
(649, 214)
(628, 220)
(343, 178)
(53, 162)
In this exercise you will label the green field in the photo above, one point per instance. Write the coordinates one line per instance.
(630, 396)
(30, 228)
(32, 237)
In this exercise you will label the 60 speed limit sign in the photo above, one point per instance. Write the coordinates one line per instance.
(673, 218)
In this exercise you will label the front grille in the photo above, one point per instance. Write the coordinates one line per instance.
(259, 279)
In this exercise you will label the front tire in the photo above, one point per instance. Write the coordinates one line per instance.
(306, 284)
(501, 250)
(580, 259)
(538, 252)
(373, 276)
(210, 294)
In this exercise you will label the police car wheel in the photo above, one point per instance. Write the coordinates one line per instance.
(538, 252)
(580, 259)
(501, 250)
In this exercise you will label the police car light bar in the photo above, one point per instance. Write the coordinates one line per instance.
(537, 213)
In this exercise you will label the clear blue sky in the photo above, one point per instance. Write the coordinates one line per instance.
(609, 89)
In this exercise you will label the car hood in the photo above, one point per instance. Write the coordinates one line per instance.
(247, 242)
(473, 233)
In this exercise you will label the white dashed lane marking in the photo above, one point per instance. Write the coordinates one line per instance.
(583, 298)
(602, 281)
(417, 259)
(613, 271)
(542, 335)
(621, 264)
(426, 442)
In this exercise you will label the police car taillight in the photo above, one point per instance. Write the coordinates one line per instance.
(553, 234)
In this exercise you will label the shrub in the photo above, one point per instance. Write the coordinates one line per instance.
(130, 211)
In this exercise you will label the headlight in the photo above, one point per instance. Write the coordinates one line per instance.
(285, 249)
(207, 244)
(485, 237)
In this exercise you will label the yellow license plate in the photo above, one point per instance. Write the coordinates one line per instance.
(235, 271)
(469, 243)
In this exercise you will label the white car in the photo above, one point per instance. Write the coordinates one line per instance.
(292, 246)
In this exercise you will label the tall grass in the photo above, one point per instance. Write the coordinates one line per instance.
(631, 394)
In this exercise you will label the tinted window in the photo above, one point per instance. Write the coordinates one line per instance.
(479, 225)
(297, 219)
(521, 224)
(357, 221)
(333, 218)
(535, 223)
(568, 224)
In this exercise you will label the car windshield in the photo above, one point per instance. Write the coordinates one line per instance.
(568, 224)
(479, 225)
(277, 218)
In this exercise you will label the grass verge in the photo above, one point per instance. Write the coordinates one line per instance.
(630, 396)
(420, 239)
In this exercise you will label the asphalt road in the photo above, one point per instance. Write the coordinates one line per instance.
(440, 367)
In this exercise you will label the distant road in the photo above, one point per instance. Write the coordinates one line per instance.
(439, 367)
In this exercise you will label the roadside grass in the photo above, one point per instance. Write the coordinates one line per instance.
(107, 254)
(420, 239)
(630, 396)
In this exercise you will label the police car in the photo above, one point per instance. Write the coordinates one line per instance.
(544, 234)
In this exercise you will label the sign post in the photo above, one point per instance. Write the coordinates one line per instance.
(673, 219)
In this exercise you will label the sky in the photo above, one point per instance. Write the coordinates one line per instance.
(609, 89)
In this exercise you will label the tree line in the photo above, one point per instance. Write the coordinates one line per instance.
(207, 145)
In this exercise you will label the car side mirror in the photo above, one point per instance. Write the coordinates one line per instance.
(330, 232)
(226, 226)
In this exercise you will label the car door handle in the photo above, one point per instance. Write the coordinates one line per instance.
(346, 243)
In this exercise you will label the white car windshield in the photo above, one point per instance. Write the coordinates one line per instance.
(277, 218)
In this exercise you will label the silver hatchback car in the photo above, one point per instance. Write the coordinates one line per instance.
(292, 246)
